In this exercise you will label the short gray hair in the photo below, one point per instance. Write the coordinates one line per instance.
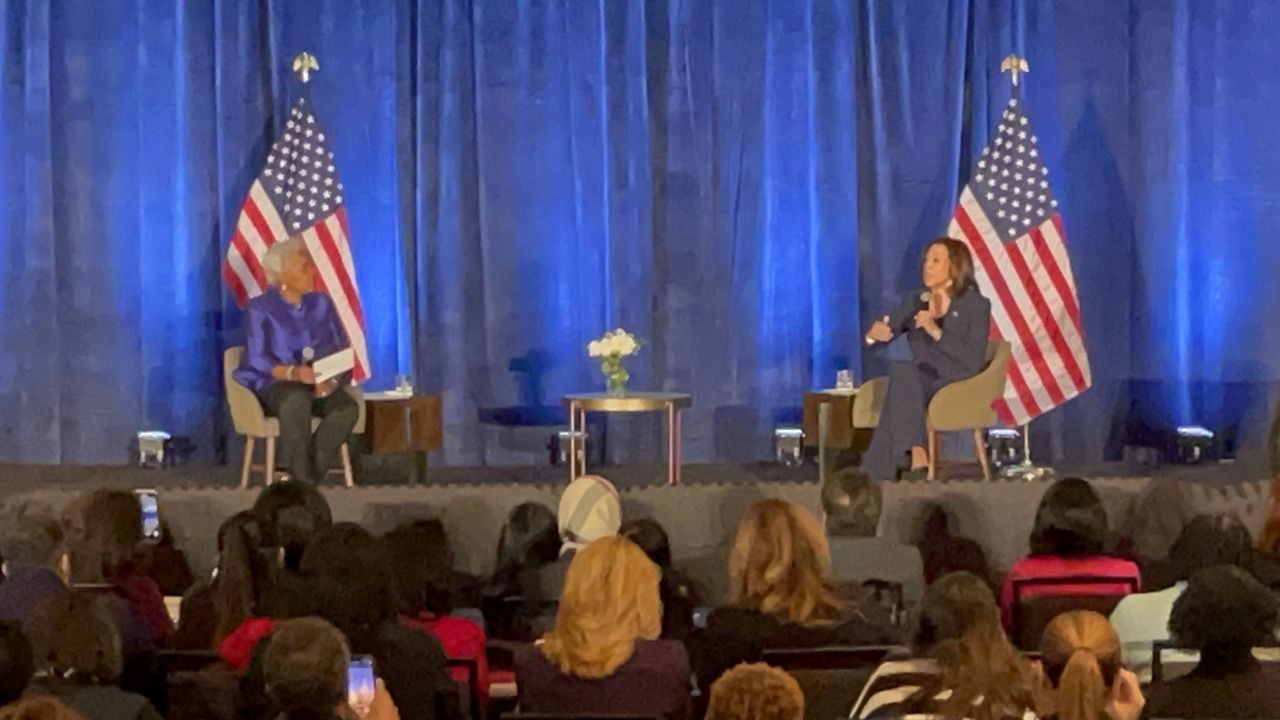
(30, 535)
(852, 502)
(273, 261)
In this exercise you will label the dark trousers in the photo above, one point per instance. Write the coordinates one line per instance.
(307, 455)
(902, 420)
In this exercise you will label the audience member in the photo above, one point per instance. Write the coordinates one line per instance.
(35, 560)
(781, 595)
(419, 557)
(944, 553)
(356, 591)
(166, 565)
(80, 658)
(38, 707)
(603, 654)
(1067, 539)
(305, 669)
(963, 665)
(103, 530)
(1081, 659)
(755, 692)
(679, 597)
(16, 662)
(1153, 523)
(290, 515)
(214, 608)
(1143, 618)
(528, 541)
(852, 504)
(1224, 612)
(589, 510)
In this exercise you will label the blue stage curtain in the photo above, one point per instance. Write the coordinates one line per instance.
(745, 185)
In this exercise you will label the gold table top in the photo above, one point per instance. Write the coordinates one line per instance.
(629, 402)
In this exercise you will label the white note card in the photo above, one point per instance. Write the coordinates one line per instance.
(332, 366)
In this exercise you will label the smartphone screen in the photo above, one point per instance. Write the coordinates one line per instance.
(150, 505)
(360, 685)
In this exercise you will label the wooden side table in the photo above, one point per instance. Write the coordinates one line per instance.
(840, 423)
(410, 424)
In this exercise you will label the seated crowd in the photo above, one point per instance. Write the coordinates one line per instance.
(585, 614)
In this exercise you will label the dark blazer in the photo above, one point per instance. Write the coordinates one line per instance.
(653, 683)
(961, 352)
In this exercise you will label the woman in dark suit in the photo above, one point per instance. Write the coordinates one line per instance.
(946, 327)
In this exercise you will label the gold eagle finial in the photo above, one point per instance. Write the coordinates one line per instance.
(1014, 64)
(304, 64)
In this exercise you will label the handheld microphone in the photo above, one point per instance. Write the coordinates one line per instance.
(308, 355)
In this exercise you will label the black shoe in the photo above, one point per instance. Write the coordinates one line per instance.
(915, 475)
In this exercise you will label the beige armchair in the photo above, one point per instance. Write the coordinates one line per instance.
(966, 405)
(250, 420)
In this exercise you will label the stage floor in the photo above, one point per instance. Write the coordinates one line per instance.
(700, 514)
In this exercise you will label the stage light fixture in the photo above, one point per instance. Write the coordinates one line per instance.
(788, 445)
(151, 445)
(1004, 447)
(1195, 444)
(564, 441)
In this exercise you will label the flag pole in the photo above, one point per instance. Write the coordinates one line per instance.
(1026, 470)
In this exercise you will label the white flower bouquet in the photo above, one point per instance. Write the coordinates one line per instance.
(610, 350)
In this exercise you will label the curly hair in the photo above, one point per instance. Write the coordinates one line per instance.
(610, 601)
(755, 691)
(778, 565)
(1209, 540)
(1223, 610)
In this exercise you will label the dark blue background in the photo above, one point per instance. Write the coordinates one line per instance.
(744, 184)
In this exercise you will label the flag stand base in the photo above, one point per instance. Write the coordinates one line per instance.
(1027, 472)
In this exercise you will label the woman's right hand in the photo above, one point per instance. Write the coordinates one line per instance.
(880, 331)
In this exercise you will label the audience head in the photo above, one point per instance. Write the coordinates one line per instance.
(778, 564)
(102, 528)
(1210, 540)
(30, 538)
(1224, 612)
(351, 573)
(243, 574)
(78, 639)
(1157, 517)
(419, 555)
(1070, 521)
(755, 692)
(610, 601)
(530, 539)
(650, 537)
(589, 510)
(852, 504)
(305, 669)
(291, 514)
(38, 707)
(1081, 655)
(959, 627)
(17, 662)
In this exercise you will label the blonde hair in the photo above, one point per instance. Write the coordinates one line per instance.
(610, 601)
(755, 692)
(1085, 649)
(38, 707)
(274, 259)
(778, 564)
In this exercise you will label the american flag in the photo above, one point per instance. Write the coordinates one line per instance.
(298, 193)
(1009, 217)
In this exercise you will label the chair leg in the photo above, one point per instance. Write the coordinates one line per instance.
(345, 452)
(980, 444)
(247, 465)
(933, 455)
(269, 468)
